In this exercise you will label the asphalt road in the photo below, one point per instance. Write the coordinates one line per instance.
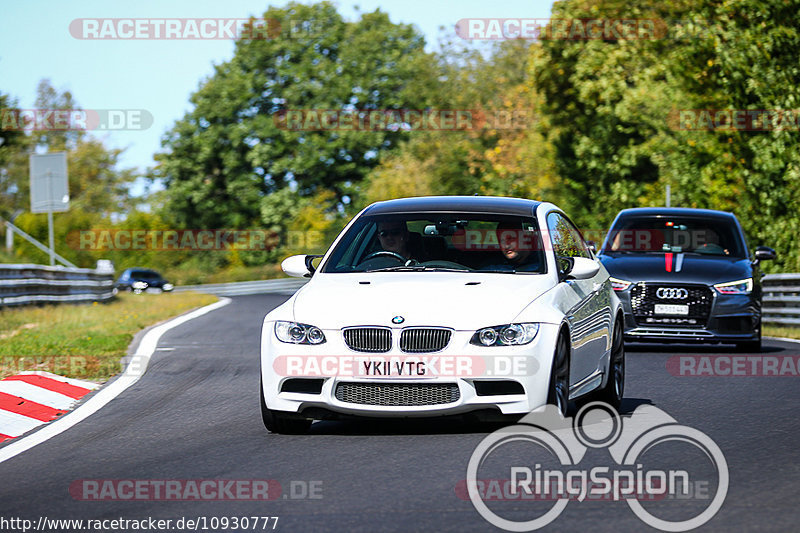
(194, 415)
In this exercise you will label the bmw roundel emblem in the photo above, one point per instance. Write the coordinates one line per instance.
(398, 320)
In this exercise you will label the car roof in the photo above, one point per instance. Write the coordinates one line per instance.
(674, 211)
(454, 204)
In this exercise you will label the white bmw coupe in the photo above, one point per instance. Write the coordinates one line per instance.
(443, 305)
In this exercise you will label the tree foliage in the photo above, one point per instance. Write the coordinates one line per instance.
(228, 152)
(612, 108)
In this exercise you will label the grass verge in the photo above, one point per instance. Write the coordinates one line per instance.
(197, 275)
(781, 331)
(84, 341)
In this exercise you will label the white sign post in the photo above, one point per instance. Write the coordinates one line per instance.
(49, 189)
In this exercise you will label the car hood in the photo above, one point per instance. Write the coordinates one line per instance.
(456, 300)
(681, 268)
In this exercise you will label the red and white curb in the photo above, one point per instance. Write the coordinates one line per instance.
(134, 371)
(31, 399)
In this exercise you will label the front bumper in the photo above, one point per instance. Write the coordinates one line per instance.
(732, 319)
(528, 366)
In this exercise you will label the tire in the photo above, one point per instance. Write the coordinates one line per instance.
(280, 421)
(751, 346)
(614, 389)
(558, 392)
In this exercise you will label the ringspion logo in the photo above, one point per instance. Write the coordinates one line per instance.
(541, 461)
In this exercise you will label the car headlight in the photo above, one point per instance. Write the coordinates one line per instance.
(139, 285)
(619, 284)
(505, 335)
(167, 287)
(295, 333)
(743, 286)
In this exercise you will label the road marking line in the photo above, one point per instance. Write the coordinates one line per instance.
(784, 339)
(132, 374)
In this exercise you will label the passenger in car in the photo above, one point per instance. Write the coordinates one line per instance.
(516, 251)
(712, 245)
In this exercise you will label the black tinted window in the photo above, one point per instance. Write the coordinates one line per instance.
(708, 236)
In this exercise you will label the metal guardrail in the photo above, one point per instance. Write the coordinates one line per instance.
(781, 299)
(25, 284)
(269, 286)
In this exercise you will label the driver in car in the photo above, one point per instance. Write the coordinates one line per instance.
(394, 237)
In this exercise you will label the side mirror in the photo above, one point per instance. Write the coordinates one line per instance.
(564, 265)
(296, 266)
(764, 253)
(583, 268)
(310, 263)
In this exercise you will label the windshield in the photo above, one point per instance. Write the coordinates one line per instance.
(147, 275)
(707, 236)
(468, 242)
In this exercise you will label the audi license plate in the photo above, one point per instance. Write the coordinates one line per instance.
(671, 309)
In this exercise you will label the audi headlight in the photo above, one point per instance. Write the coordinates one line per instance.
(619, 284)
(139, 285)
(167, 287)
(295, 333)
(743, 286)
(505, 335)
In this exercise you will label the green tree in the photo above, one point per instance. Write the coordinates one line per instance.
(12, 143)
(228, 152)
(99, 189)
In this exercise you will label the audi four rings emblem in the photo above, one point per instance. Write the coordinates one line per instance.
(671, 293)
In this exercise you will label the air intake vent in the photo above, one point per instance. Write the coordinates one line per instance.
(397, 394)
(419, 340)
(302, 385)
(370, 340)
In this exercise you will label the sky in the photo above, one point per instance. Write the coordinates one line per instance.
(158, 76)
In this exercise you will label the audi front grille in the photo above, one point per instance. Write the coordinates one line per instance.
(370, 340)
(397, 394)
(645, 297)
(420, 340)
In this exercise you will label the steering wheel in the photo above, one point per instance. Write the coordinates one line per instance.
(385, 252)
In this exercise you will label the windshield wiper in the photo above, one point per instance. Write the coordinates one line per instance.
(418, 268)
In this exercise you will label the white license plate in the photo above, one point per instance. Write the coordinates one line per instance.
(394, 369)
(671, 309)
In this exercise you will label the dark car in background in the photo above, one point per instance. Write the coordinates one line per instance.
(141, 279)
(685, 275)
